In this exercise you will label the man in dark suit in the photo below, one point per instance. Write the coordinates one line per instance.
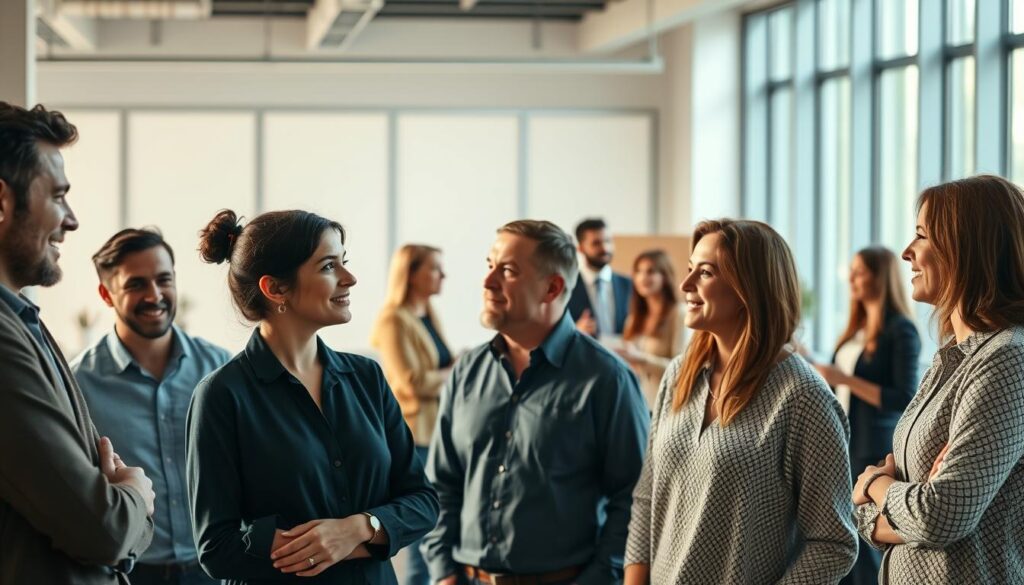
(71, 512)
(600, 301)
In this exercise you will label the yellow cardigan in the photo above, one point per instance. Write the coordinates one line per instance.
(409, 359)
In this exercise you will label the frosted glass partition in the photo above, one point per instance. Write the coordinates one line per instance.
(184, 167)
(457, 183)
(336, 165)
(93, 167)
(591, 165)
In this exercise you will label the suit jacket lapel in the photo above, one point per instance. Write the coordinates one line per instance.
(78, 405)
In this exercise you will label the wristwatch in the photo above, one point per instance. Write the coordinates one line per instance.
(375, 524)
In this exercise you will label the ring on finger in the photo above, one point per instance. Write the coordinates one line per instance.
(312, 561)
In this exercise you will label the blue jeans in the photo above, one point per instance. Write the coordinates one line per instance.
(416, 570)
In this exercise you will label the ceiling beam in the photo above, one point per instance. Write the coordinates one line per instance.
(627, 22)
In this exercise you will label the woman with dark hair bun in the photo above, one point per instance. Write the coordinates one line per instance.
(299, 461)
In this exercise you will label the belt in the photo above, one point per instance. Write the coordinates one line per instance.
(558, 576)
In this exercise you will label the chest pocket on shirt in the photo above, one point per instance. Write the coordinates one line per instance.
(564, 439)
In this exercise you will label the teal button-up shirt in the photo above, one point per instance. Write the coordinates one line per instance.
(145, 419)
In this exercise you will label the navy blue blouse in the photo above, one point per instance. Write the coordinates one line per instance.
(262, 456)
(444, 356)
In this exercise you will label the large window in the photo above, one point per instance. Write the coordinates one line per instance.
(902, 94)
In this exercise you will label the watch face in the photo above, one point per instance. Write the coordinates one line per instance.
(374, 522)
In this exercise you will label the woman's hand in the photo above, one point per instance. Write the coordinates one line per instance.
(319, 544)
(937, 465)
(833, 375)
(886, 468)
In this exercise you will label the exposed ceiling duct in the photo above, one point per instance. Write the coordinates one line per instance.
(335, 24)
(137, 9)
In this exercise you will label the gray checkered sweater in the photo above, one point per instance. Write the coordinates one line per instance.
(765, 499)
(966, 525)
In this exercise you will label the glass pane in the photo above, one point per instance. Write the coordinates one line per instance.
(1017, 116)
(897, 28)
(780, 162)
(897, 155)
(780, 43)
(1017, 16)
(960, 97)
(833, 34)
(832, 293)
(755, 119)
(959, 22)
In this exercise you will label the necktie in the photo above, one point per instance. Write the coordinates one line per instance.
(602, 312)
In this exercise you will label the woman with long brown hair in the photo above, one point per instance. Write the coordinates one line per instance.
(874, 370)
(414, 354)
(654, 329)
(947, 506)
(746, 477)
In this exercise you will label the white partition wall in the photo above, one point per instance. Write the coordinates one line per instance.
(457, 181)
(583, 165)
(183, 168)
(72, 309)
(336, 165)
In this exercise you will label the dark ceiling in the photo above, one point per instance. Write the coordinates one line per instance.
(570, 10)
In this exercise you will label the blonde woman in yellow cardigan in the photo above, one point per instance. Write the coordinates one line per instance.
(414, 354)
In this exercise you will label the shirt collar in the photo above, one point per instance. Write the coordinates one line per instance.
(974, 342)
(268, 368)
(25, 309)
(123, 358)
(553, 348)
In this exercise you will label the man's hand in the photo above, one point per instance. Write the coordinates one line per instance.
(586, 323)
(118, 473)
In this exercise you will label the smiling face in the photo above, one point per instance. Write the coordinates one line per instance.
(514, 290)
(712, 305)
(426, 280)
(924, 264)
(322, 285)
(863, 285)
(143, 293)
(29, 247)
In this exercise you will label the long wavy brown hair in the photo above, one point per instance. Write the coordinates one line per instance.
(883, 265)
(977, 230)
(756, 262)
(640, 309)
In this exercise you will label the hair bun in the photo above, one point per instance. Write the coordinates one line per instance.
(217, 239)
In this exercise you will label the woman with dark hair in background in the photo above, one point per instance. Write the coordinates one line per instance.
(874, 370)
(299, 460)
(415, 356)
(654, 329)
(947, 506)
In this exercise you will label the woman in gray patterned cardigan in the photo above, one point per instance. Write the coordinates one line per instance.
(947, 506)
(746, 479)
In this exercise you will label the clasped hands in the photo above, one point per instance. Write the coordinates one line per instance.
(887, 469)
(117, 473)
(325, 542)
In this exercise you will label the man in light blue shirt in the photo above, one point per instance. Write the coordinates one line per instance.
(138, 382)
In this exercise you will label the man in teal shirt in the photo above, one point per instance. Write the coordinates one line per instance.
(138, 382)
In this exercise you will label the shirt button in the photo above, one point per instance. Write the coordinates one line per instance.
(494, 540)
(515, 398)
(496, 504)
(337, 462)
(167, 459)
(508, 434)
(501, 469)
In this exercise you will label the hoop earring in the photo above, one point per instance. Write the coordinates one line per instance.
(281, 308)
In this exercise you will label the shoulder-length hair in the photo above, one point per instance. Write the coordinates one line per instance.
(881, 262)
(639, 308)
(756, 262)
(404, 263)
(976, 226)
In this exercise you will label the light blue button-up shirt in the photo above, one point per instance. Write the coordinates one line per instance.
(145, 419)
